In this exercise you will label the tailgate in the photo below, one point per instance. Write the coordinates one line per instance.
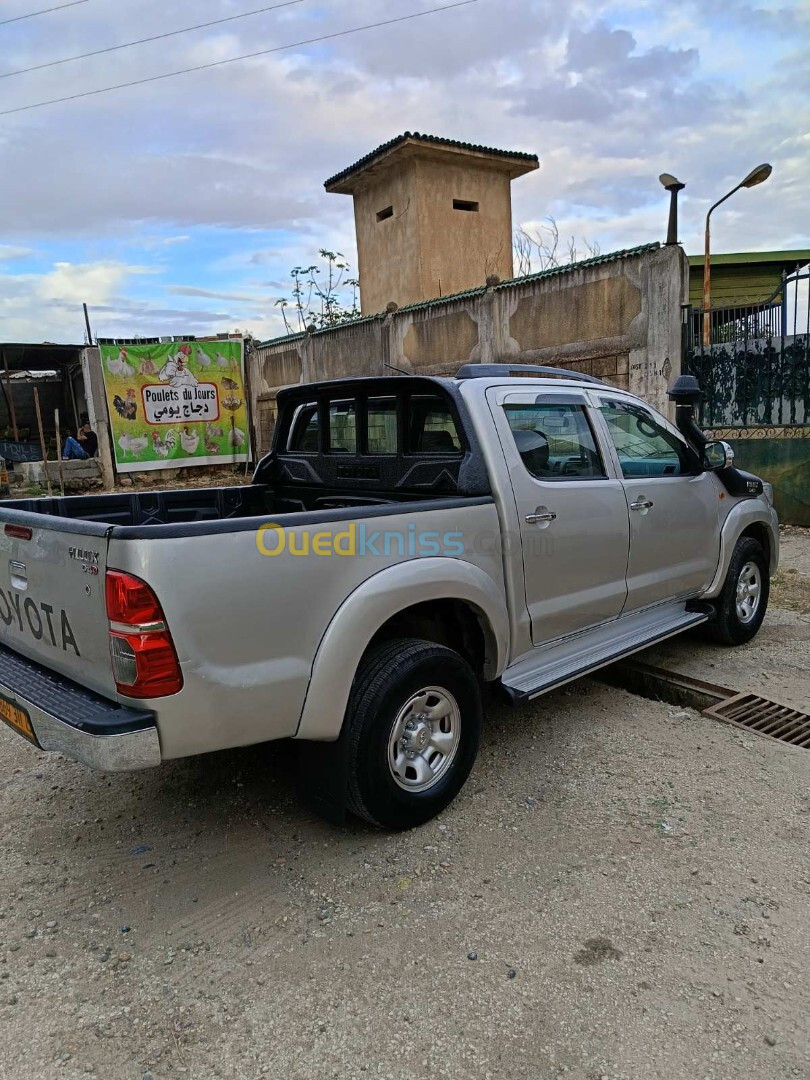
(52, 605)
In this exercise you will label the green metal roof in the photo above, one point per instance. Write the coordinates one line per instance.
(788, 259)
(744, 277)
(432, 140)
(424, 305)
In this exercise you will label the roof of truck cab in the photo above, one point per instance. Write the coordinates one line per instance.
(445, 381)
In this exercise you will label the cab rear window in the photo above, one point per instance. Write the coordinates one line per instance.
(432, 427)
(372, 425)
(305, 434)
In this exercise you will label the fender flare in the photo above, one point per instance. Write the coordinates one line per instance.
(370, 606)
(740, 517)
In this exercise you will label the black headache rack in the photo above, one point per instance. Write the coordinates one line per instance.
(383, 439)
(497, 371)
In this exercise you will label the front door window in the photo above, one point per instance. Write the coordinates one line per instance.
(644, 447)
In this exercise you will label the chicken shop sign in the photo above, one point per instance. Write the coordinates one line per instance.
(176, 404)
(168, 404)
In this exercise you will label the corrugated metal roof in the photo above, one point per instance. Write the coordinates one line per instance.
(433, 140)
(788, 259)
(289, 338)
(743, 278)
(595, 260)
(286, 339)
(512, 283)
(553, 271)
(32, 376)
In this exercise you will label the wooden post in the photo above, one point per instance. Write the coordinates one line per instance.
(73, 399)
(59, 453)
(247, 357)
(10, 398)
(99, 413)
(42, 441)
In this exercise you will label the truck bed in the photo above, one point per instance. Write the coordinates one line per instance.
(174, 507)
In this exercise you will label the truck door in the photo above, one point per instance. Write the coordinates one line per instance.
(574, 528)
(674, 506)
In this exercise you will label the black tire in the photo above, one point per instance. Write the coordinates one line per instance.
(389, 677)
(727, 627)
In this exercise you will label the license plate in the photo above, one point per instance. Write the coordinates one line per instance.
(17, 718)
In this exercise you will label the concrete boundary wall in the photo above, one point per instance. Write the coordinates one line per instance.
(616, 316)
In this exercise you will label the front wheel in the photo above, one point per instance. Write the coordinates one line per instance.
(413, 726)
(741, 606)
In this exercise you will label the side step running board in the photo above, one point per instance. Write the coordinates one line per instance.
(554, 665)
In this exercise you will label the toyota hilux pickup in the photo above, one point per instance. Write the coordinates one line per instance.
(406, 540)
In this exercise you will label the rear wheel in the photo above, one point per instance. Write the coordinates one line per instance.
(413, 727)
(741, 606)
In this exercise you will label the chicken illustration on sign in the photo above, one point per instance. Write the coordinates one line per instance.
(176, 404)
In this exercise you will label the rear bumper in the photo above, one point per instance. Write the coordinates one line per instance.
(66, 717)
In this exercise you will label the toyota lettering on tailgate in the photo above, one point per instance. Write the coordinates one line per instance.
(42, 621)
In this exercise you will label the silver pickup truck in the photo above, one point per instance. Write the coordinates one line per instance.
(406, 540)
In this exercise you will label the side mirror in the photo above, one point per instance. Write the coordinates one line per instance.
(717, 455)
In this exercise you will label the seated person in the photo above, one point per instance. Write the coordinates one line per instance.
(534, 450)
(85, 445)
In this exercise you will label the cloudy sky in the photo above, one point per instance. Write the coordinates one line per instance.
(179, 206)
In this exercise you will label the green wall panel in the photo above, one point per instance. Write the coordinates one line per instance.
(785, 463)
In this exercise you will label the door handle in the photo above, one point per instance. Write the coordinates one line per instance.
(642, 504)
(545, 515)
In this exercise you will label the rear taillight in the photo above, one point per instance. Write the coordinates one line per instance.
(144, 662)
(19, 532)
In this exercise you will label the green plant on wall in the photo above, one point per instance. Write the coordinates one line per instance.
(321, 296)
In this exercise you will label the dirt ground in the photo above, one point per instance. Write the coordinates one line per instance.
(621, 891)
(776, 663)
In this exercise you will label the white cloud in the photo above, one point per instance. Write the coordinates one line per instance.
(48, 305)
(608, 93)
(9, 252)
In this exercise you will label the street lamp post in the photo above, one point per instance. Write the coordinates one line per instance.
(757, 176)
(673, 186)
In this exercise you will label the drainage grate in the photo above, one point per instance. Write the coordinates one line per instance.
(748, 711)
(765, 717)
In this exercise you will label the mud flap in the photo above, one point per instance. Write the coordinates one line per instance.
(323, 776)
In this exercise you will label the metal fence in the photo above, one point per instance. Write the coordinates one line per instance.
(755, 370)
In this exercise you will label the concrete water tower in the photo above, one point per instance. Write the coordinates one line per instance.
(432, 216)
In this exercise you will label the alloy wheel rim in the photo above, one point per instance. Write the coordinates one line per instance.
(424, 739)
(749, 592)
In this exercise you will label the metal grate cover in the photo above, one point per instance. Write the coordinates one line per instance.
(764, 717)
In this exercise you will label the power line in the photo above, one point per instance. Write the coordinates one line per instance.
(44, 11)
(234, 59)
(144, 41)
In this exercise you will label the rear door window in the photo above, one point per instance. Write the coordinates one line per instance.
(555, 442)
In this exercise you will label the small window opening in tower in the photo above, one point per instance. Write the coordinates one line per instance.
(464, 204)
(388, 212)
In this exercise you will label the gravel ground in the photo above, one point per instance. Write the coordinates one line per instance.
(622, 890)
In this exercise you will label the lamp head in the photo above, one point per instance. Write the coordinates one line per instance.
(757, 176)
(670, 182)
